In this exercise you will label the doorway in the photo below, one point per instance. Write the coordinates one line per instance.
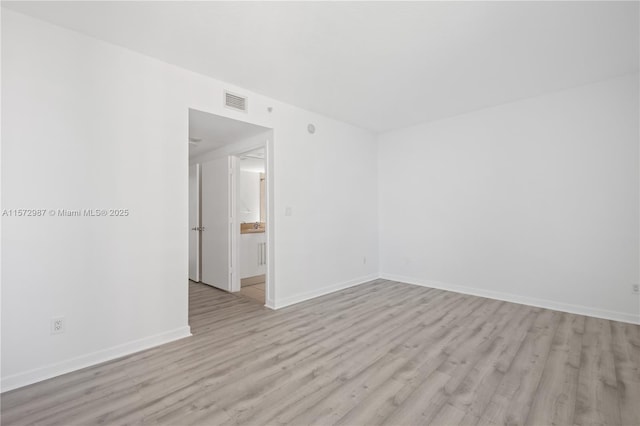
(227, 216)
(251, 209)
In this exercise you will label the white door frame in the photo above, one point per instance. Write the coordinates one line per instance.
(268, 145)
(234, 241)
(194, 234)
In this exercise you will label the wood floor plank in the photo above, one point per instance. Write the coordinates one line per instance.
(626, 350)
(379, 353)
(423, 353)
(450, 415)
(411, 403)
(597, 398)
(365, 383)
(479, 385)
(246, 387)
(462, 356)
(556, 405)
(298, 397)
(511, 401)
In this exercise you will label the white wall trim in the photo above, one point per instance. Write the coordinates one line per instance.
(43, 373)
(287, 301)
(523, 300)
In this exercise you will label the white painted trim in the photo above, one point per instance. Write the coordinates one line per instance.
(43, 373)
(234, 228)
(270, 220)
(322, 291)
(197, 224)
(523, 300)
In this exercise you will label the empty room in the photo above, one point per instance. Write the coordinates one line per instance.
(320, 213)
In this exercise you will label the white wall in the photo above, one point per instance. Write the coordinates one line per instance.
(91, 125)
(534, 201)
(249, 196)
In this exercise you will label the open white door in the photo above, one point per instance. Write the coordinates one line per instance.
(194, 222)
(217, 199)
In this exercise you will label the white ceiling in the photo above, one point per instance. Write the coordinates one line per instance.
(253, 161)
(215, 131)
(253, 165)
(380, 65)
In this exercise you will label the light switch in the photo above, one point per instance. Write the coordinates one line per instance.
(288, 211)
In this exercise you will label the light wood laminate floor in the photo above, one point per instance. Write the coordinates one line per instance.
(379, 353)
(255, 292)
(254, 288)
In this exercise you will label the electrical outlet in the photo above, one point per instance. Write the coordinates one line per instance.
(57, 325)
(364, 260)
(635, 288)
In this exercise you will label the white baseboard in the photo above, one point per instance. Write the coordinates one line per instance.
(36, 375)
(523, 300)
(287, 301)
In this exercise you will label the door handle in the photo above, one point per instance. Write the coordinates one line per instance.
(262, 254)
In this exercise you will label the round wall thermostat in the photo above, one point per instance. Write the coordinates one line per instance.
(311, 128)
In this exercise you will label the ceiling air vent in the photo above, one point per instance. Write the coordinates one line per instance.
(234, 101)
